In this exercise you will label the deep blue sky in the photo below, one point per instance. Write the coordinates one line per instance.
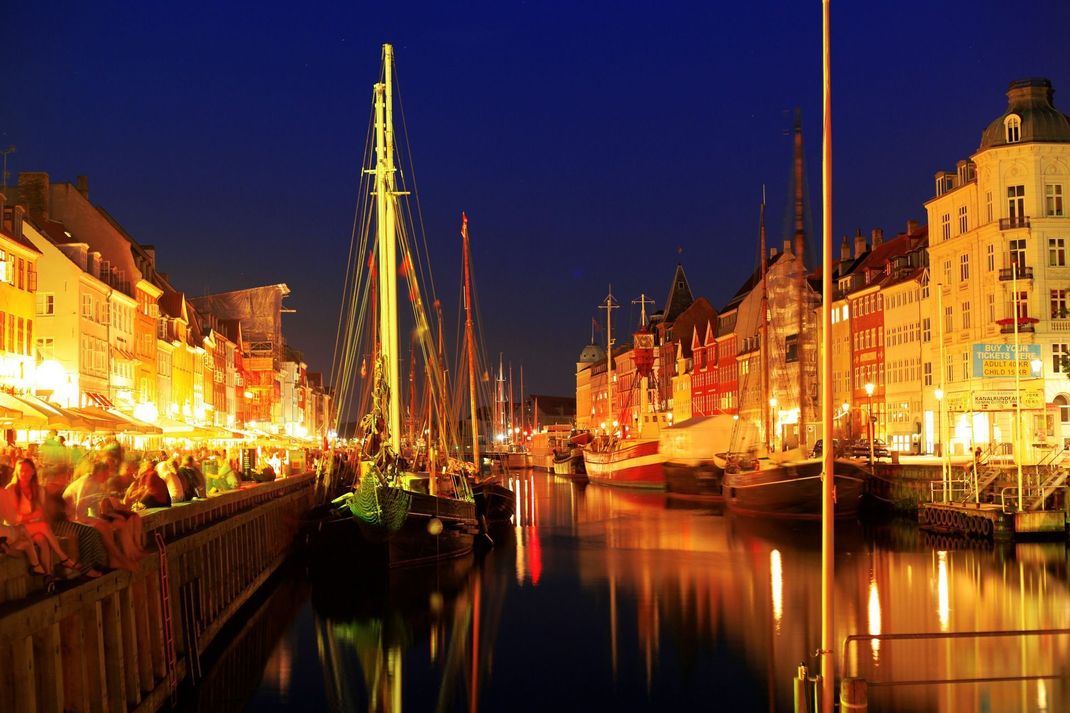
(588, 141)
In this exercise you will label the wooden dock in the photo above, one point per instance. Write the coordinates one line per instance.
(123, 641)
(990, 521)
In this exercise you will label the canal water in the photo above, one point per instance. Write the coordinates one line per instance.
(605, 599)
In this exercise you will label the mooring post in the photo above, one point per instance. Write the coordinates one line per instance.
(854, 695)
(802, 704)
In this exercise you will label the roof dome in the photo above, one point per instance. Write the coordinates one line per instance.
(592, 353)
(1037, 118)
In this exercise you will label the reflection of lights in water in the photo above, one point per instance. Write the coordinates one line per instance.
(776, 582)
(943, 604)
(521, 566)
(1042, 695)
(874, 618)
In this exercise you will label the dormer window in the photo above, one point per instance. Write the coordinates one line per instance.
(1013, 124)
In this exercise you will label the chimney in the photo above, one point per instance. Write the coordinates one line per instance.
(912, 227)
(787, 247)
(860, 243)
(150, 251)
(876, 237)
(34, 193)
(16, 221)
(845, 249)
(83, 186)
(772, 253)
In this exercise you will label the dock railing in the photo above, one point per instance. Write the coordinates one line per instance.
(854, 690)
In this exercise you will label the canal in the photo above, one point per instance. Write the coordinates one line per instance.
(604, 599)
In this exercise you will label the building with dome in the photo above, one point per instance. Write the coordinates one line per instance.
(592, 358)
(1000, 276)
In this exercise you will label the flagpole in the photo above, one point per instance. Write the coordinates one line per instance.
(828, 506)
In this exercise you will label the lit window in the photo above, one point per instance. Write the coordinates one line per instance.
(963, 221)
(945, 226)
(1053, 199)
(1013, 124)
(1056, 252)
(964, 266)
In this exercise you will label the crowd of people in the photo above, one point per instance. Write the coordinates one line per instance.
(90, 499)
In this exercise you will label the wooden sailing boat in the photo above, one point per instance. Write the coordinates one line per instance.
(772, 476)
(632, 461)
(495, 503)
(399, 517)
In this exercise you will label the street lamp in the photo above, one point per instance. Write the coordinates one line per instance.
(869, 393)
(846, 407)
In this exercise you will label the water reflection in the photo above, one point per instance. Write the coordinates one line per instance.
(604, 598)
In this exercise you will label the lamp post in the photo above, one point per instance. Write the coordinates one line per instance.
(776, 426)
(869, 394)
(939, 450)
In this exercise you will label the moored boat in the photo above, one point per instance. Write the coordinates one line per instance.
(635, 463)
(694, 453)
(791, 490)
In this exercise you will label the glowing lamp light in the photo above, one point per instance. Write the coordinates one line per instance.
(939, 394)
(146, 411)
(845, 407)
(773, 402)
(248, 394)
(1035, 366)
(50, 376)
(869, 389)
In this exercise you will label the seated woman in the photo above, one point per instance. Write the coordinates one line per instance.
(85, 499)
(148, 490)
(13, 536)
(29, 501)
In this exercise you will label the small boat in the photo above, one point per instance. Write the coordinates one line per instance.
(546, 442)
(695, 452)
(495, 503)
(791, 490)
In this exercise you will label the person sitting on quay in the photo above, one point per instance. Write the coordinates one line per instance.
(193, 476)
(224, 479)
(13, 535)
(85, 497)
(176, 488)
(148, 490)
(29, 500)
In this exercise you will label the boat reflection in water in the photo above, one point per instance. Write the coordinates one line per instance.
(604, 598)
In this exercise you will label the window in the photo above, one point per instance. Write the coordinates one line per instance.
(1013, 124)
(963, 222)
(964, 267)
(1058, 304)
(1057, 252)
(926, 329)
(1022, 305)
(1053, 199)
(46, 303)
(29, 337)
(947, 272)
(965, 363)
(1064, 408)
(948, 320)
(949, 368)
(945, 226)
(44, 349)
(965, 315)
(927, 371)
(1060, 358)
(87, 306)
(991, 307)
(1017, 253)
(990, 257)
(1015, 202)
(988, 206)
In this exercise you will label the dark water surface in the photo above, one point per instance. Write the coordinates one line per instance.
(604, 599)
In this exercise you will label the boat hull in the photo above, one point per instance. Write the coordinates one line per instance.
(632, 464)
(571, 465)
(414, 543)
(702, 480)
(793, 491)
(495, 502)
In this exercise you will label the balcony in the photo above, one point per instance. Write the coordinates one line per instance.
(1025, 325)
(1018, 221)
(1024, 273)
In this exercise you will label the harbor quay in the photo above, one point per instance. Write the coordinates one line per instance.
(126, 639)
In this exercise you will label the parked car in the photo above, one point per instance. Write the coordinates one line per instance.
(860, 449)
(837, 448)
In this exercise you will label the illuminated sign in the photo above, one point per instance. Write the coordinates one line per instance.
(1000, 360)
(995, 400)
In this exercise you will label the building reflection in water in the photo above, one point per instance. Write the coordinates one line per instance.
(641, 595)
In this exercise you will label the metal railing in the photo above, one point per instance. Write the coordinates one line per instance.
(927, 636)
(957, 488)
(1024, 273)
(1017, 221)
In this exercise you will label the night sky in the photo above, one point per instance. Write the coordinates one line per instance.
(589, 142)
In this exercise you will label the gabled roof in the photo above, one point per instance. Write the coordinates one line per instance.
(680, 297)
(751, 283)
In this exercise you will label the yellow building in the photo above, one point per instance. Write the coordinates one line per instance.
(18, 283)
(998, 260)
(681, 384)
